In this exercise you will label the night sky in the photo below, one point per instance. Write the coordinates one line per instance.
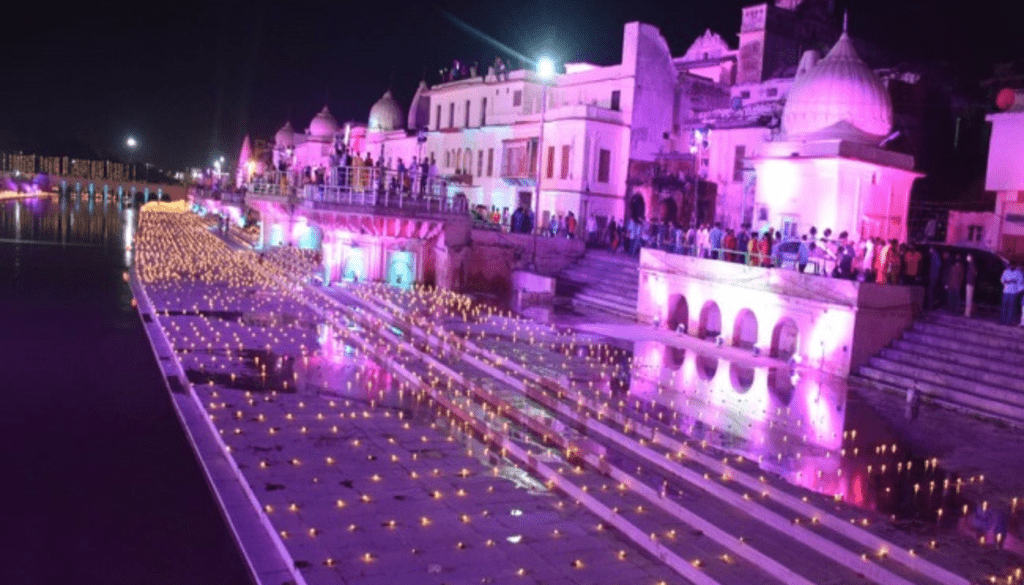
(190, 79)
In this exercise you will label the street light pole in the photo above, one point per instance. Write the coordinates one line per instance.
(540, 152)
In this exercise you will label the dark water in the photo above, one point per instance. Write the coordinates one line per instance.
(100, 484)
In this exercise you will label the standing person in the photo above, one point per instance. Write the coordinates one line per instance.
(591, 229)
(730, 242)
(911, 265)
(970, 279)
(882, 262)
(742, 242)
(765, 249)
(1013, 284)
(517, 220)
(570, 225)
(715, 237)
(753, 245)
(893, 263)
(954, 282)
(934, 274)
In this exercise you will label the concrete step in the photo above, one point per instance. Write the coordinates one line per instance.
(978, 373)
(941, 395)
(1015, 333)
(584, 275)
(624, 299)
(923, 374)
(615, 267)
(960, 358)
(979, 338)
(602, 303)
(965, 347)
(603, 256)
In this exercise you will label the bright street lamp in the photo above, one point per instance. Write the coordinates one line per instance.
(131, 142)
(545, 68)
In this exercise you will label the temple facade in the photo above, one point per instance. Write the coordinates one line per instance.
(766, 133)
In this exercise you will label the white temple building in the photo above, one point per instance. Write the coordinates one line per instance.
(738, 135)
(829, 169)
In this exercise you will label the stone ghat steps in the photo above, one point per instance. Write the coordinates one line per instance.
(961, 363)
(603, 281)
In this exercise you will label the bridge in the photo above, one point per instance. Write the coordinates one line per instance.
(106, 189)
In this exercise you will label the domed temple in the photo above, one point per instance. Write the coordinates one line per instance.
(829, 169)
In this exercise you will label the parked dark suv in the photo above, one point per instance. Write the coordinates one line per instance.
(988, 292)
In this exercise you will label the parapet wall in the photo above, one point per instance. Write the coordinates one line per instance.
(838, 324)
(493, 256)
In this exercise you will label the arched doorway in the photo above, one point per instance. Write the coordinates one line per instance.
(744, 335)
(401, 269)
(669, 210)
(710, 321)
(679, 314)
(637, 207)
(785, 339)
(355, 265)
(710, 327)
(744, 330)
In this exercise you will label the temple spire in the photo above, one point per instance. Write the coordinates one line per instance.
(846, 20)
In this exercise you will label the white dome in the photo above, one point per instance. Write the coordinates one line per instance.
(386, 114)
(285, 137)
(323, 125)
(838, 97)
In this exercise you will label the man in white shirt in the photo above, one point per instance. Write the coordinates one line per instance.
(1013, 284)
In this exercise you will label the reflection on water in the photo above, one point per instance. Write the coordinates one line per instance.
(68, 219)
(335, 368)
(795, 423)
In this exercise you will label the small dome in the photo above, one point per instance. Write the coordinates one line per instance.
(837, 97)
(386, 115)
(285, 137)
(323, 125)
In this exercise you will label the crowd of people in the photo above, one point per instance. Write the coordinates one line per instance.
(950, 279)
(498, 71)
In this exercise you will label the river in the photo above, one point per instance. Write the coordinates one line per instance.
(101, 485)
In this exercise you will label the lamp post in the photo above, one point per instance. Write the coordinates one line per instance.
(545, 71)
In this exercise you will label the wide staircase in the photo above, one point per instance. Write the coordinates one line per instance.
(603, 281)
(968, 364)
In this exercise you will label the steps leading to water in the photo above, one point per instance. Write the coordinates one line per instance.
(968, 364)
(603, 281)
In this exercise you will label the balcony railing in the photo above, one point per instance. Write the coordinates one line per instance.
(362, 189)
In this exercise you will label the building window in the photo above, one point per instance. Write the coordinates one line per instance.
(447, 158)
(551, 162)
(604, 164)
(517, 98)
(737, 165)
(616, 99)
(437, 125)
(744, 95)
(467, 162)
(483, 112)
(565, 162)
(490, 162)
(773, 91)
(451, 115)
(480, 163)
(467, 113)
(974, 233)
